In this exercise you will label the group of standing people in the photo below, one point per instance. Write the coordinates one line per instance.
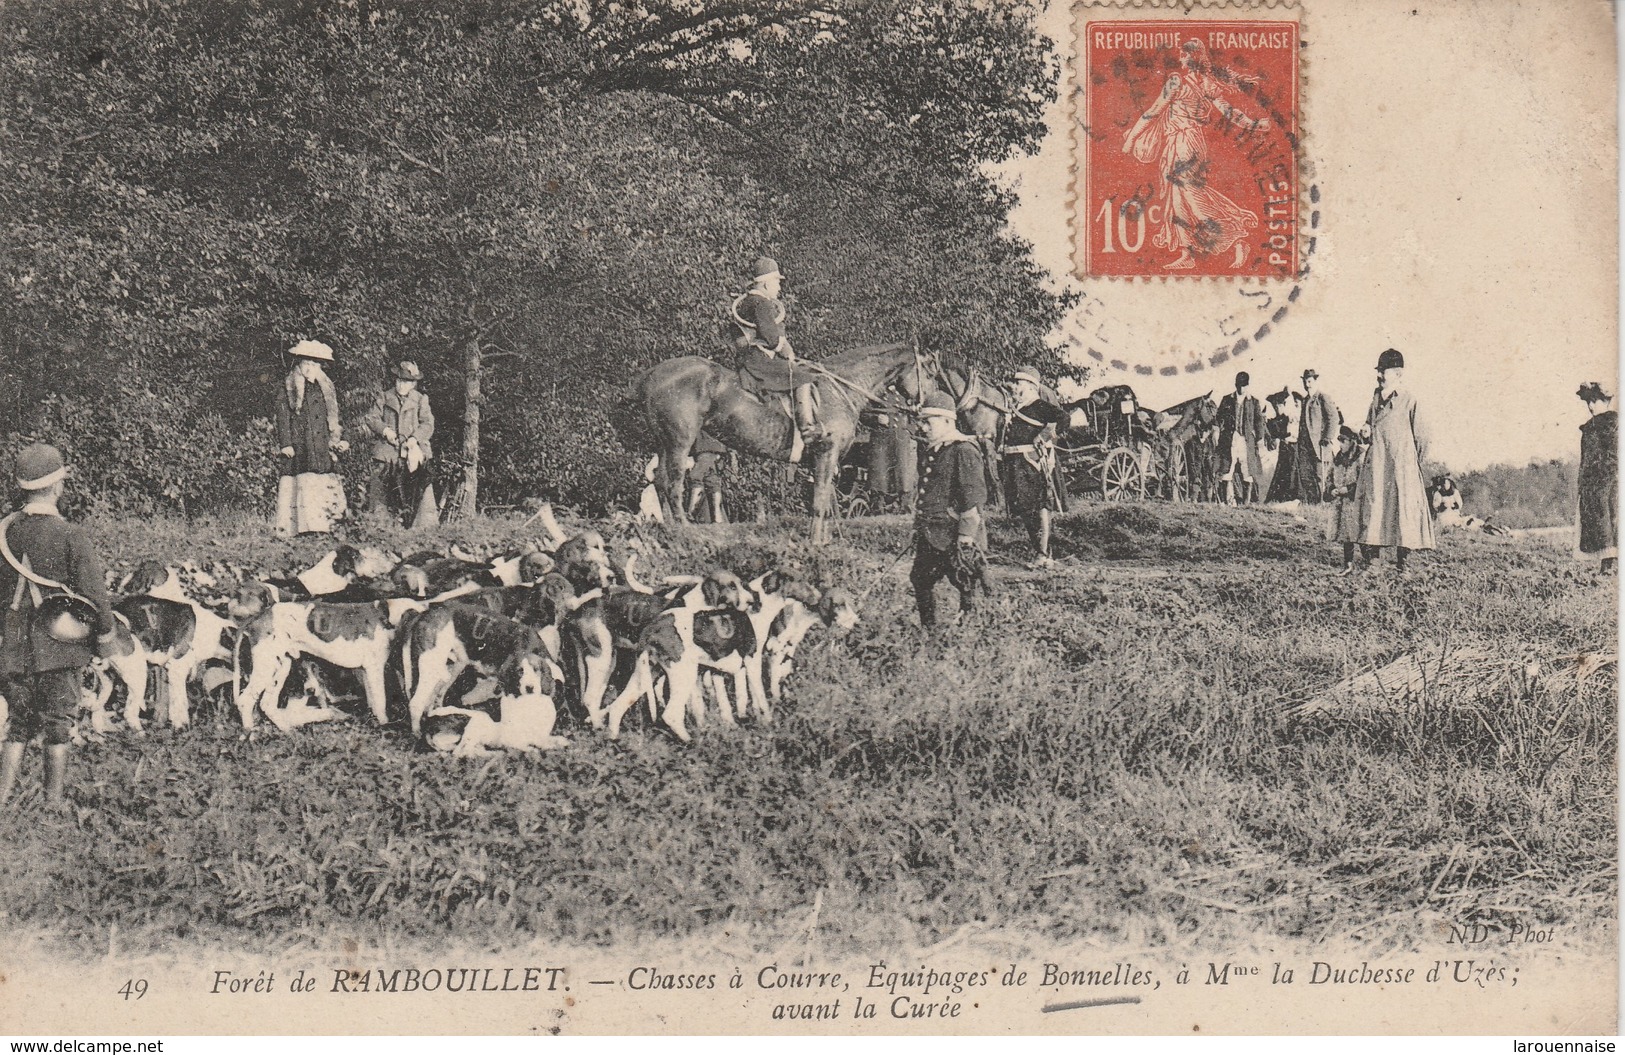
(1246, 431)
(310, 490)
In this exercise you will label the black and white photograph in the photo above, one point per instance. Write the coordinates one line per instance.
(808, 517)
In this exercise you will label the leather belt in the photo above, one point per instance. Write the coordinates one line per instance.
(1022, 448)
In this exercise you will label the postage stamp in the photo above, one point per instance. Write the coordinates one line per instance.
(1189, 148)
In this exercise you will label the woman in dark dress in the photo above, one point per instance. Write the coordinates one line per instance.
(1282, 428)
(1599, 478)
(310, 493)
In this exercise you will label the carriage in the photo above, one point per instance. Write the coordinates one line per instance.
(877, 474)
(1123, 451)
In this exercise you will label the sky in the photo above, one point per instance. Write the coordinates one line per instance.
(1465, 161)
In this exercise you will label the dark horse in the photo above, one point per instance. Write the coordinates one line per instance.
(680, 397)
(1194, 428)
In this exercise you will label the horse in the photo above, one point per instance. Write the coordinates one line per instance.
(680, 397)
(983, 407)
(1193, 426)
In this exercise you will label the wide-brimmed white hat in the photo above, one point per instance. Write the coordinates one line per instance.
(312, 350)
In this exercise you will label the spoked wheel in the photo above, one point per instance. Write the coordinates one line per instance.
(1120, 477)
(852, 505)
(1176, 477)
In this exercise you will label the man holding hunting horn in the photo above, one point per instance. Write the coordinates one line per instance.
(759, 315)
(56, 598)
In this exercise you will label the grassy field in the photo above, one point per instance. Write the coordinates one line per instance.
(1103, 753)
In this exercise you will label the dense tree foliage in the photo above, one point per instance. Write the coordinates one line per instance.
(545, 195)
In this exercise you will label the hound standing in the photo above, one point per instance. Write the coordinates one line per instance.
(949, 537)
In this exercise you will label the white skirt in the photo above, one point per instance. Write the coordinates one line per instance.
(309, 502)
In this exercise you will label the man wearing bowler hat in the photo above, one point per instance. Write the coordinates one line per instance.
(759, 315)
(55, 599)
(1393, 500)
(1318, 424)
(1241, 431)
(402, 425)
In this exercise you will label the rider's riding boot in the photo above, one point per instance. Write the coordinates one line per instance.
(11, 763)
(56, 770)
(806, 423)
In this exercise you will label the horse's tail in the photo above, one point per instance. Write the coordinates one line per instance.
(629, 421)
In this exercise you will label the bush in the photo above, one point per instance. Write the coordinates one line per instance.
(142, 453)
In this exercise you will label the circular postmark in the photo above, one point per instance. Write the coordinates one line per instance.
(1193, 226)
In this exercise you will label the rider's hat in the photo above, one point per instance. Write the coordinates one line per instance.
(407, 370)
(39, 466)
(1027, 373)
(766, 267)
(939, 405)
(1311, 374)
(1390, 360)
(312, 350)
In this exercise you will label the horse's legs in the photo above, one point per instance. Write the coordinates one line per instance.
(672, 481)
(823, 495)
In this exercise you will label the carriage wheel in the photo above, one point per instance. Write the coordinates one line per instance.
(1120, 477)
(855, 506)
(1177, 475)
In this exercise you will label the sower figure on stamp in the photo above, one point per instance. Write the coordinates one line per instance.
(1028, 461)
(1599, 478)
(759, 315)
(1394, 509)
(1318, 422)
(1241, 430)
(402, 424)
(56, 599)
(1172, 135)
(310, 495)
(950, 539)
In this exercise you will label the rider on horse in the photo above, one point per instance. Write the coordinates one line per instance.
(759, 316)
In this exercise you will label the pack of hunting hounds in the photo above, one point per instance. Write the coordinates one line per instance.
(474, 654)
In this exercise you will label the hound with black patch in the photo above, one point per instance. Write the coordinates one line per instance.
(677, 647)
(598, 630)
(177, 637)
(835, 609)
(450, 638)
(351, 636)
(526, 686)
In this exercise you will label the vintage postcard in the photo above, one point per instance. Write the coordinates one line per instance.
(543, 517)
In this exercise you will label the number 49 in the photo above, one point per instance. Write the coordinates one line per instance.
(134, 989)
(1104, 216)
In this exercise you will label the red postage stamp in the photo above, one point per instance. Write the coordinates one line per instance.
(1189, 136)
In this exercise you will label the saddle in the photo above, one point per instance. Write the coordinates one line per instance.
(766, 374)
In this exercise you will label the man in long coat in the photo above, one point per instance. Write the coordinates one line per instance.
(1318, 422)
(1392, 491)
(1599, 478)
(1241, 430)
(402, 424)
